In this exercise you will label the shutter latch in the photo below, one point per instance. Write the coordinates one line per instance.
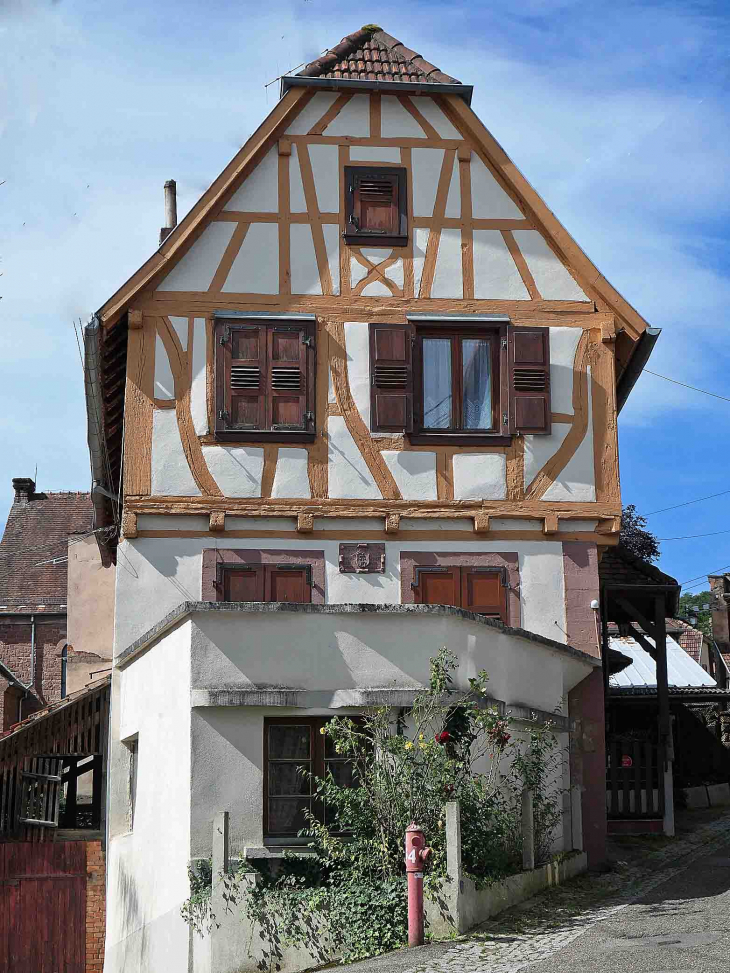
(223, 415)
(504, 342)
(307, 340)
(309, 417)
(505, 418)
(224, 337)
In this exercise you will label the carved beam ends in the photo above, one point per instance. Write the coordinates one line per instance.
(550, 525)
(392, 523)
(217, 520)
(135, 319)
(481, 523)
(609, 525)
(305, 523)
(129, 524)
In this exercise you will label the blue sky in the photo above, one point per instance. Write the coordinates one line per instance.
(617, 112)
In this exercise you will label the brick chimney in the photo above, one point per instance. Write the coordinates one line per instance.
(24, 489)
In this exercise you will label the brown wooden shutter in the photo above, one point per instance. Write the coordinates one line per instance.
(483, 591)
(39, 793)
(290, 583)
(242, 377)
(437, 586)
(391, 378)
(529, 380)
(287, 378)
(375, 202)
(243, 583)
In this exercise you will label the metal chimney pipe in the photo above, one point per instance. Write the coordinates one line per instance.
(170, 209)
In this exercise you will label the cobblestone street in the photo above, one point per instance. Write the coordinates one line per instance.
(659, 912)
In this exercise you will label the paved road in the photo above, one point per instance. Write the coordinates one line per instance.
(667, 913)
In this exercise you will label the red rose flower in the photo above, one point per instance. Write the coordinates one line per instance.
(443, 737)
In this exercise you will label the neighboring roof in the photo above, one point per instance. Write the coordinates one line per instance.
(694, 694)
(37, 530)
(372, 55)
(682, 671)
(618, 566)
(90, 690)
(689, 638)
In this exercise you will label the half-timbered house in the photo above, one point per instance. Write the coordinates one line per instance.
(363, 401)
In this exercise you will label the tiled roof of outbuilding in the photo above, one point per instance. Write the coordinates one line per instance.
(372, 55)
(37, 529)
(690, 639)
(620, 567)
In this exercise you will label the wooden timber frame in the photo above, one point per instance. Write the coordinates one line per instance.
(648, 606)
(65, 740)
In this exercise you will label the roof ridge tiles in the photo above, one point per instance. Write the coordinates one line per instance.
(343, 58)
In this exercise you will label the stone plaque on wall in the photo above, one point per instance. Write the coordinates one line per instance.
(362, 558)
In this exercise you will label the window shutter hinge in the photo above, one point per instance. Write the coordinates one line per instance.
(307, 340)
(504, 342)
(222, 414)
(309, 417)
(224, 337)
(505, 418)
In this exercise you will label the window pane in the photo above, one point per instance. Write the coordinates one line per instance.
(436, 383)
(288, 779)
(477, 383)
(286, 815)
(288, 742)
(343, 772)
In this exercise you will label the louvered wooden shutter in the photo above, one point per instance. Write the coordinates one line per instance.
(483, 591)
(287, 379)
(375, 202)
(39, 793)
(244, 377)
(529, 380)
(391, 378)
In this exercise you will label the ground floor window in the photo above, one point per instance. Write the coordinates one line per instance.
(294, 748)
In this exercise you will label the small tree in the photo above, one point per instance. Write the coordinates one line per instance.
(691, 607)
(634, 536)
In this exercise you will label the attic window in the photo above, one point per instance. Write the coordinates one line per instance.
(376, 206)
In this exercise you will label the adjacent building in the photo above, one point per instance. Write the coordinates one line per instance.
(363, 404)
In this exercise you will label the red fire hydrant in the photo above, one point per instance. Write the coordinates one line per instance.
(416, 855)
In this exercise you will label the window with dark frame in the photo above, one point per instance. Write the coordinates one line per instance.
(264, 380)
(265, 582)
(376, 210)
(457, 382)
(480, 590)
(294, 747)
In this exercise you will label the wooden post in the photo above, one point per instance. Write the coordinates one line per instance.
(665, 723)
(528, 831)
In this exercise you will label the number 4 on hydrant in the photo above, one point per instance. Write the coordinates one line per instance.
(416, 855)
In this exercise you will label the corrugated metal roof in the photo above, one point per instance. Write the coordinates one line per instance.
(682, 670)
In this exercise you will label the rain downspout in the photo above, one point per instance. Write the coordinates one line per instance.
(100, 489)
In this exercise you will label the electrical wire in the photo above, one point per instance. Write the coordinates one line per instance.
(684, 386)
(686, 537)
(688, 502)
(703, 577)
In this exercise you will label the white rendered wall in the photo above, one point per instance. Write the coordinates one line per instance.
(147, 878)
(171, 474)
(194, 271)
(155, 575)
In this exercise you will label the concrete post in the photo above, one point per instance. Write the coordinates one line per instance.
(453, 841)
(528, 832)
(221, 848)
(576, 817)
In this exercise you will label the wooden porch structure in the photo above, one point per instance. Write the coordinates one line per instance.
(41, 761)
(639, 778)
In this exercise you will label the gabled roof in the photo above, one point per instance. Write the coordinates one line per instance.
(681, 669)
(372, 55)
(690, 639)
(37, 530)
(618, 566)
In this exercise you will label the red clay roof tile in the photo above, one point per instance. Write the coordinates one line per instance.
(372, 55)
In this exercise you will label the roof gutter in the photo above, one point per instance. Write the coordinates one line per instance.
(464, 91)
(102, 498)
(630, 375)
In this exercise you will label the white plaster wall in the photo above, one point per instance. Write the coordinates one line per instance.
(426, 168)
(488, 199)
(353, 120)
(552, 279)
(259, 193)
(357, 345)
(375, 153)
(147, 878)
(256, 267)
(178, 522)
(496, 275)
(357, 272)
(563, 346)
(326, 170)
(332, 246)
(396, 122)
(420, 243)
(577, 481)
(414, 473)
(539, 449)
(291, 478)
(481, 475)
(180, 327)
(304, 270)
(376, 288)
(154, 575)
(171, 474)
(396, 272)
(297, 202)
(194, 271)
(198, 389)
(447, 278)
(236, 469)
(453, 200)
(164, 383)
(349, 477)
(311, 113)
(433, 114)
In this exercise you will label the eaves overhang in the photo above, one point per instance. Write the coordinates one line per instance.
(464, 91)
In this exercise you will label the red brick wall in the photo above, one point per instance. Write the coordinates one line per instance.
(95, 907)
(15, 652)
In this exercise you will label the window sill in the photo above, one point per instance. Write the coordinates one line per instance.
(269, 436)
(458, 439)
(374, 240)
